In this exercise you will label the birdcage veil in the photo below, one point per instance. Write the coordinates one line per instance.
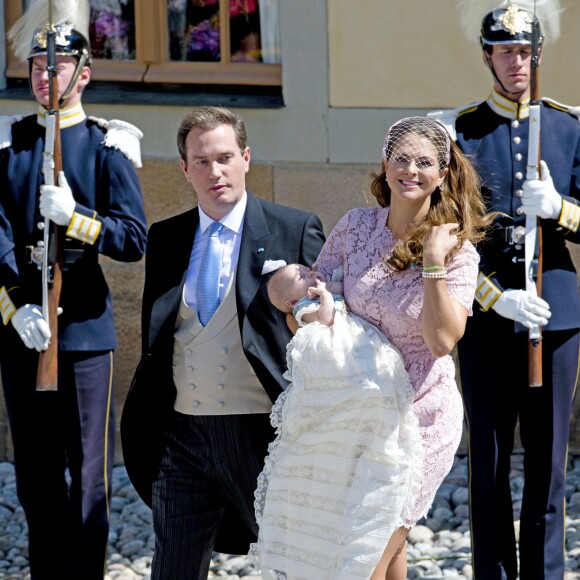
(66, 13)
(472, 12)
(401, 141)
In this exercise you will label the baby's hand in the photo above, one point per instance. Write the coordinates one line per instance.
(317, 290)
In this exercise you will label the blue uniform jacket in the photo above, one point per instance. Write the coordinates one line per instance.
(102, 180)
(498, 145)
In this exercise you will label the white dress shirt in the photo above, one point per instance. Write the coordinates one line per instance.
(230, 238)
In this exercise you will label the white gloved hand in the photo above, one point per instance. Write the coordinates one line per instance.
(57, 202)
(540, 198)
(523, 307)
(31, 327)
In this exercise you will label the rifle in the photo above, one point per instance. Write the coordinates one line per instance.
(533, 239)
(47, 375)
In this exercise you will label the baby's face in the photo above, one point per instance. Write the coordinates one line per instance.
(300, 278)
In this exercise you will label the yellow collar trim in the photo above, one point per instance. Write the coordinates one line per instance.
(67, 117)
(506, 108)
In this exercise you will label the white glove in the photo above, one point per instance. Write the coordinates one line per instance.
(31, 327)
(539, 196)
(523, 307)
(57, 202)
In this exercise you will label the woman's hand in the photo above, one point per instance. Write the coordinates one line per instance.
(438, 243)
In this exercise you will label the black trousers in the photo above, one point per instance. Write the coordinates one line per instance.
(494, 384)
(72, 428)
(209, 463)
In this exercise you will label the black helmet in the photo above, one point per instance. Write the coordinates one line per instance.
(69, 42)
(509, 25)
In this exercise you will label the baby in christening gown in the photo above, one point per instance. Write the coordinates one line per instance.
(347, 454)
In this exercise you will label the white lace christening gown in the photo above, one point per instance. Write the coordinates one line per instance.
(347, 455)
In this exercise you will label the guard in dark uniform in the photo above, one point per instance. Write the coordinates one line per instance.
(98, 205)
(493, 353)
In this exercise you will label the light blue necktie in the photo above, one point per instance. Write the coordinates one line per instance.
(208, 297)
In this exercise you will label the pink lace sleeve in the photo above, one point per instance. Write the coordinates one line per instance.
(332, 254)
(462, 276)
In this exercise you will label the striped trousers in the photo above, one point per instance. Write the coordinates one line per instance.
(210, 465)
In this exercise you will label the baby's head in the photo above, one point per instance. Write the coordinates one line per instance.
(289, 284)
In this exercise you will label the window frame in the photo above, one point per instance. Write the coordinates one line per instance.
(151, 64)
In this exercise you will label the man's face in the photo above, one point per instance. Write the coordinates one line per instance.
(511, 63)
(216, 169)
(65, 70)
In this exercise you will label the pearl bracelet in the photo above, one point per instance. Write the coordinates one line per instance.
(437, 274)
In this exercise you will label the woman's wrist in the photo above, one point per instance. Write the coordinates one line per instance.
(433, 260)
(433, 257)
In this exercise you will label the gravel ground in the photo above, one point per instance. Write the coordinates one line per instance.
(439, 547)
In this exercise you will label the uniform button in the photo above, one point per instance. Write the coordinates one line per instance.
(190, 369)
(519, 175)
(225, 350)
(188, 352)
(518, 246)
(221, 404)
(220, 387)
(191, 387)
(519, 211)
(519, 192)
(518, 156)
(40, 225)
(195, 403)
(517, 140)
(221, 368)
(515, 124)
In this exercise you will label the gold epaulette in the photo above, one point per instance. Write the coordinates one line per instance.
(575, 111)
(569, 216)
(7, 308)
(84, 228)
(486, 292)
(447, 117)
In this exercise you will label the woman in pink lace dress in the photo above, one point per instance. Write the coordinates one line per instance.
(410, 269)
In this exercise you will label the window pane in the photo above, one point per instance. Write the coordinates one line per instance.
(254, 35)
(245, 31)
(194, 30)
(112, 29)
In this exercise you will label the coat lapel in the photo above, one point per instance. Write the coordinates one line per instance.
(257, 243)
(178, 250)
